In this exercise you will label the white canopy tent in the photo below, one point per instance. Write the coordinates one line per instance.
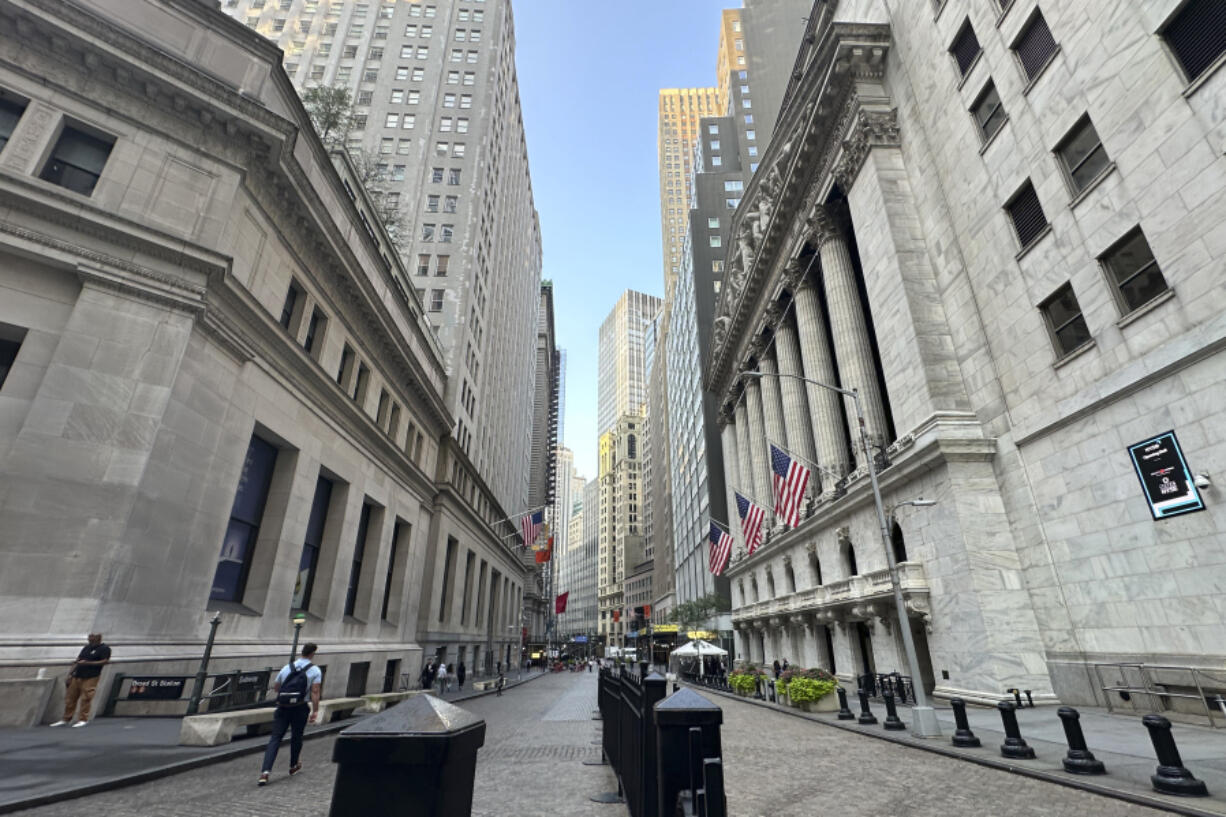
(693, 652)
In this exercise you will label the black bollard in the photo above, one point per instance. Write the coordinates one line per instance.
(770, 688)
(845, 714)
(963, 736)
(892, 721)
(1172, 777)
(1029, 699)
(866, 716)
(417, 759)
(1079, 760)
(1017, 696)
(1013, 746)
(757, 689)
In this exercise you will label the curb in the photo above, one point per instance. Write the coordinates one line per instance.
(206, 760)
(1136, 798)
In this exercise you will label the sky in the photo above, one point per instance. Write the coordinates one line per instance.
(589, 75)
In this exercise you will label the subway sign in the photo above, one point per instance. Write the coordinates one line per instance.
(1165, 477)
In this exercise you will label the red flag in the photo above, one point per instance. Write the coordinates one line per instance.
(542, 556)
(646, 611)
(559, 604)
(617, 615)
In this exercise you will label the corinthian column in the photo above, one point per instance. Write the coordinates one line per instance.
(757, 445)
(772, 399)
(795, 404)
(731, 477)
(852, 347)
(825, 415)
(744, 465)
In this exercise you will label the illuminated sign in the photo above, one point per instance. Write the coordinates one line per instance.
(1165, 477)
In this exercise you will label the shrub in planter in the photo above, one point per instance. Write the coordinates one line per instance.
(806, 692)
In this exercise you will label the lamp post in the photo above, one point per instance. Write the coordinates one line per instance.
(193, 703)
(924, 720)
(299, 619)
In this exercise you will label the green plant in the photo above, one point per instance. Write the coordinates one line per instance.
(804, 690)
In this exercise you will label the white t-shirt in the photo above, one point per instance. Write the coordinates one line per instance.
(314, 676)
(442, 670)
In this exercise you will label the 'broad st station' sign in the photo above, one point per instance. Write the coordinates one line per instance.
(1165, 477)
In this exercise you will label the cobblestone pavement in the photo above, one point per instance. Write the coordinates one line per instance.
(537, 736)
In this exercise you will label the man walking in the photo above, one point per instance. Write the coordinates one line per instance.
(83, 680)
(460, 673)
(297, 695)
(442, 679)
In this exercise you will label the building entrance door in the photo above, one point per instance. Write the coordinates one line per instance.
(865, 641)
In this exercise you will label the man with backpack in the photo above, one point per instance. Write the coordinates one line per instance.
(297, 695)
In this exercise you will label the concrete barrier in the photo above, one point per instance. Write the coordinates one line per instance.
(217, 729)
(25, 701)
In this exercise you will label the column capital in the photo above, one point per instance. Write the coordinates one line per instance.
(793, 276)
(821, 226)
(869, 129)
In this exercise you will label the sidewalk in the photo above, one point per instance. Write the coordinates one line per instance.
(1119, 741)
(43, 765)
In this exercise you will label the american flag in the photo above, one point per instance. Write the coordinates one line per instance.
(531, 524)
(751, 521)
(721, 548)
(790, 478)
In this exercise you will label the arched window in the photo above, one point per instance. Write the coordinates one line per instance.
(849, 560)
(900, 547)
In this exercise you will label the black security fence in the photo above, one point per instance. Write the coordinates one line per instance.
(665, 752)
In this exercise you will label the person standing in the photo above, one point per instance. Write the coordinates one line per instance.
(297, 694)
(426, 679)
(778, 669)
(460, 673)
(82, 680)
(442, 679)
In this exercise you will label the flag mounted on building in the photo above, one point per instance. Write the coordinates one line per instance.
(721, 548)
(617, 615)
(751, 521)
(530, 524)
(543, 554)
(790, 480)
(548, 543)
(559, 604)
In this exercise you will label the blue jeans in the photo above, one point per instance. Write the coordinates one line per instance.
(293, 718)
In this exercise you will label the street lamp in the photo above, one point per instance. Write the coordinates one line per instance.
(193, 703)
(299, 619)
(924, 721)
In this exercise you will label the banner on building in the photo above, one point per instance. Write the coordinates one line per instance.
(1165, 477)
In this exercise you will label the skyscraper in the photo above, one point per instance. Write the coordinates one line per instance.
(679, 112)
(622, 368)
(435, 99)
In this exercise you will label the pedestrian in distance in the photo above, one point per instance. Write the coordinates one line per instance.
(785, 665)
(460, 673)
(82, 680)
(502, 681)
(426, 679)
(778, 669)
(442, 678)
(297, 695)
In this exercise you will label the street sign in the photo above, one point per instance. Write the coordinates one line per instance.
(156, 689)
(1165, 477)
(580, 639)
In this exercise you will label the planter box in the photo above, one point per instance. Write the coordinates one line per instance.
(827, 703)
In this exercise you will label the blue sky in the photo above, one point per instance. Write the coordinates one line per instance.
(589, 73)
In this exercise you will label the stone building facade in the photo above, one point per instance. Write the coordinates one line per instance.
(1002, 229)
(220, 391)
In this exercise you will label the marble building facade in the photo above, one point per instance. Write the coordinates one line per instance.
(1002, 229)
(220, 391)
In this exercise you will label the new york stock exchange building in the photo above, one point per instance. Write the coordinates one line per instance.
(1003, 231)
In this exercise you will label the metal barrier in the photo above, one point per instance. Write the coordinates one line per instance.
(627, 700)
(691, 773)
(1160, 693)
(716, 682)
(167, 694)
(896, 684)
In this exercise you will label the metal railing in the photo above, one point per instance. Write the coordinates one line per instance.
(717, 682)
(1160, 692)
(877, 684)
(168, 694)
(626, 700)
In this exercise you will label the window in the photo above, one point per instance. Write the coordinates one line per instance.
(423, 52)
(466, 100)
(427, 232)
(77, 160)
(10, 344)
(461, 35)
(360, 383)
(414, 10)
(1082, 155)
(359, 549)
(1027, 215)
(346, 368)
(1197, 36)
(716, 161)
(407, 121)
(732, 204)
(398, 529)
(965, 48)
(457, 150)
(402, 147)
(472, 56)
(430, 10)
(988, 112)
(714, 144)
(397, 173)
(470, 78)
(717, 266)
(436, 300)
(753, 167)
(478, 15)
(392, 121)
(748, 119)
(461, 125)
(314, 336)
(397, 97)
(414, 97)
(289, 309)
(474, 36)
(751, 135)
(453, 77)
(436, 175)
(440, 148)
(713, 223)
(1035, 47)
(402, 72)
(423, 265)
(1064, 321)
(1133, 272)
(445, 232)
(432, 204)
(733, 185)
(444, 124)
(457, 55)
(441, 269)
(752, 150)
(427, 32)
(715, 241)
(238, 546)
(387, 144)
(448, 100)
(746, 102)
(309, 561)
(712, 129)
(453, 176)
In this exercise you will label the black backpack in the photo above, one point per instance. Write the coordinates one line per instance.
(294, 690)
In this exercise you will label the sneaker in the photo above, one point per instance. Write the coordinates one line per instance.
(58, 723)
(297, 767)
(263, 781)
(79, 724)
